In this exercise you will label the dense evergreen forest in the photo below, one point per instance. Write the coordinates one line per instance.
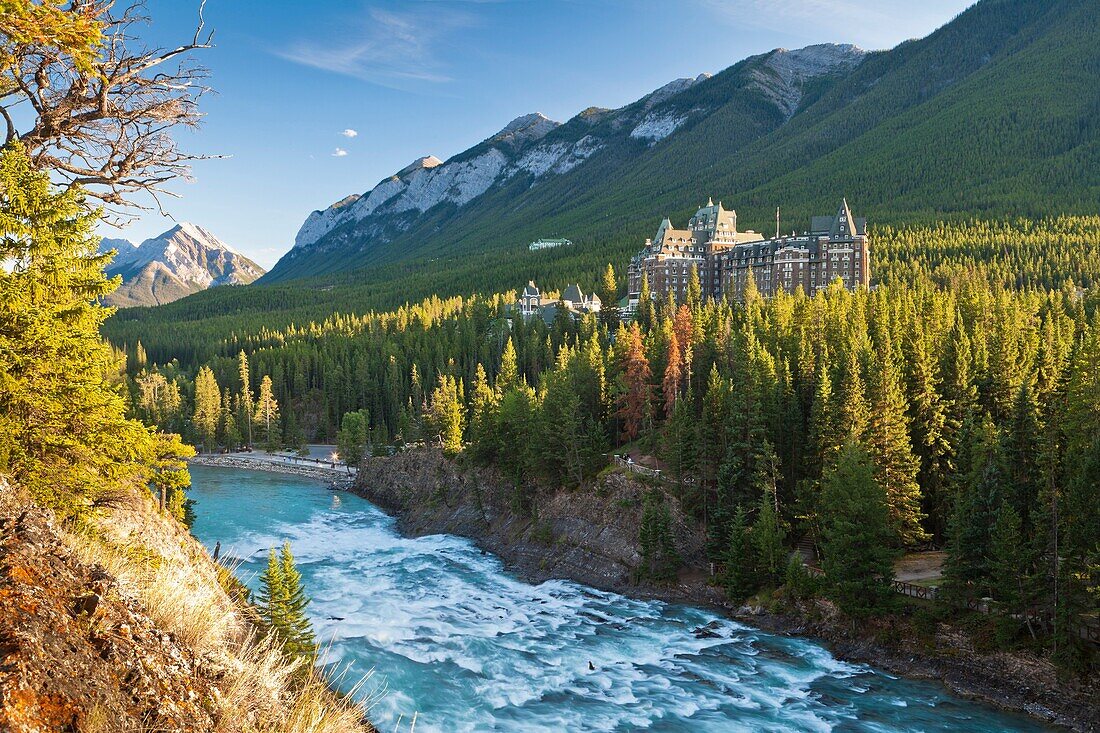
(956, 404)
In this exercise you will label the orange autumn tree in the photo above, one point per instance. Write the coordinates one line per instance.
(671, 384)
(634, 401)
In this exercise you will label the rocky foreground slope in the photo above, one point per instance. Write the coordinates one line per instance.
(592, 536)
(124, 624)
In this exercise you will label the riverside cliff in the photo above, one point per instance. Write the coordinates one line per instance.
(591, 536)
(588, 536)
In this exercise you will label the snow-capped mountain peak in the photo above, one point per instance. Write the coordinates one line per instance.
(182, 260)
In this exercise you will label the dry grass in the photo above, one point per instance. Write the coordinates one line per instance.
(260, 689)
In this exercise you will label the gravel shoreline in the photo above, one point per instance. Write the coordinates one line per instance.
(337, 477)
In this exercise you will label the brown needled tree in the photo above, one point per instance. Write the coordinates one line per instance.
(94, 106)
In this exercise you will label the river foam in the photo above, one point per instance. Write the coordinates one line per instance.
(456, 640)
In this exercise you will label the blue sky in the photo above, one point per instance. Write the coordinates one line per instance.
(419, 77)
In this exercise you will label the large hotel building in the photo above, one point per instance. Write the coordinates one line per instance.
(834, 248)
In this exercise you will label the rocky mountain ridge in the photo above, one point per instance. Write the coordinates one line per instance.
(183, 260)
(533, 148)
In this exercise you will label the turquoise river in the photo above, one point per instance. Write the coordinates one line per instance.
(445, 632)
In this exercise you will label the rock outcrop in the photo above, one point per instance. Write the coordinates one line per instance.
(590, 536)
(122, 623)
(77, 653)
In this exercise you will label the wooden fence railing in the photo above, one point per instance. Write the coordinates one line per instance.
(656, 473)
(915, 591)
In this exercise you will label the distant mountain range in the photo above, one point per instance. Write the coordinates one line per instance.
(183, 260)
(995, 114)
(530, 152)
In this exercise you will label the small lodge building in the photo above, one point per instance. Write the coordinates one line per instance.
(548, 244)
(533, 304)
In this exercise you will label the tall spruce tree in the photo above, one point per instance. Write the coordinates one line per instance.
(928, 431)
(670, 384)
(634, 403)
(609, 299)
(446, 415)
(739, 577)
(244, 375)
(266, 417)
(207, 414)
(645, 315)
(888, 441)
(967, 566)
(857, 539)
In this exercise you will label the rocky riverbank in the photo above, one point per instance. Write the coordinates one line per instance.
(338, 477)
(591, 536)
(588, 536)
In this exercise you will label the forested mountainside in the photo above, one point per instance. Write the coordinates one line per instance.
(993, 115)
(534, 153)
(183, 260)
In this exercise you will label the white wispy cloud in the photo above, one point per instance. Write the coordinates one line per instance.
(339, 153)
(349, 133)
(389, 48)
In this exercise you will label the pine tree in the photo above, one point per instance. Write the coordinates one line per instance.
(272, 594)
(888, 441)
(768, 536)
(560, 427)
(634, 404)
(351, 439)
(609, 299)
(851, 412)
(928, 432)
(207, 415)
(266, 417)
(230, 435)
(823, 434)
(671, 383)
(694, 299)
(684, 328)
(484, 441)
(245, 394)
(516, 426)
(169, 477)
(1009, 566)
(645, 311)
(281, 602)
(446, 415)
(1024, 428)
(856, 537)
(739, 578)
(967, 566)
(679, 441)
(660, 560)
(508, 376)
(711, 443)
(298, 638)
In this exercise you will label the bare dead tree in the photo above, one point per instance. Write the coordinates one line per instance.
(107, 126)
